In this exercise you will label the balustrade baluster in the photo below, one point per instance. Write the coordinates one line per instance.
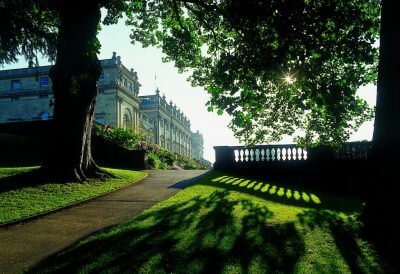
(246, 155)
(283, 151)
(345, 153)
(299, 154)
(353, 153)
(236, 152)
(273, 154)
(251, 152)
(359, 152)
(241, 155)
(278, 154)
(257, 155)
(289, 154)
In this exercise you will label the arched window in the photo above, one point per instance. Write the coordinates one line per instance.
(127, 119)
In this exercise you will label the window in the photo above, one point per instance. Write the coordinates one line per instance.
(101, 91)
(44, 116)
(130, 86)
(127, 121)
(15, 84)
(44, 81)
(100, 120)
(101, 76)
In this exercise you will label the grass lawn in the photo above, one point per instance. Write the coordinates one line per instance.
(224, 224)
(22, 194)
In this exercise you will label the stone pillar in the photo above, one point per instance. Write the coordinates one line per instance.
(224, 158)
(119, 112)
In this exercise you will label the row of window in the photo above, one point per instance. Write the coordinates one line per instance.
(164, 122)
(124, 82)
(16, 84)
(44, 82)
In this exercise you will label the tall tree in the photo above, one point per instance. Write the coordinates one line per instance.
(381, 206)
(66, 32)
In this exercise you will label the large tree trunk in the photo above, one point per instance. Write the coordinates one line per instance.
(381, 208)
(74, 77)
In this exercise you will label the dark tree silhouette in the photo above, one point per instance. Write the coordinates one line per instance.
(381, 207)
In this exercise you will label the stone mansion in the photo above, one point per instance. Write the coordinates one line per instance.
(26, 95)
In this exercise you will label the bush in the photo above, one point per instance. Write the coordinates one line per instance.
(157, 158)
(187, 163)
(124, 137)
(153, 161)
(166, 157)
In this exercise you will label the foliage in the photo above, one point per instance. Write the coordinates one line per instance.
(166, 157)
(31, 28)
(188, 163)
(24, 192)
(217, 227)
(153, 160)
(28, 28)
(127, 138)
(156, 157)
(278, 67)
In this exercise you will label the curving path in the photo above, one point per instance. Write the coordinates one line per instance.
(24, 245)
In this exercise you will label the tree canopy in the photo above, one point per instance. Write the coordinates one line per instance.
(30, 28)
(277, 67)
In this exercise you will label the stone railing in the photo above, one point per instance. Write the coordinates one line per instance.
(270, 153)
(293, 162)
(227, 155)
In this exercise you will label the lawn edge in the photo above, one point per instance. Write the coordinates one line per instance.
(48, 212)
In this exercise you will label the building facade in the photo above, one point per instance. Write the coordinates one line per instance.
(172, 127)
(26, 95)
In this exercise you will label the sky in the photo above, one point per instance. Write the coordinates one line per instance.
(153, 73)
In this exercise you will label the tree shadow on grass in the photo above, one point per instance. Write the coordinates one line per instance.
(358, 254)
(31, 178)
(39, 177)
(210, 234)
(285, 194)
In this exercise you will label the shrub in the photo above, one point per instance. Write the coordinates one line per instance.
(153, 161)
(187, 163)
(157, 158)
(124, 137)
(166, 157)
